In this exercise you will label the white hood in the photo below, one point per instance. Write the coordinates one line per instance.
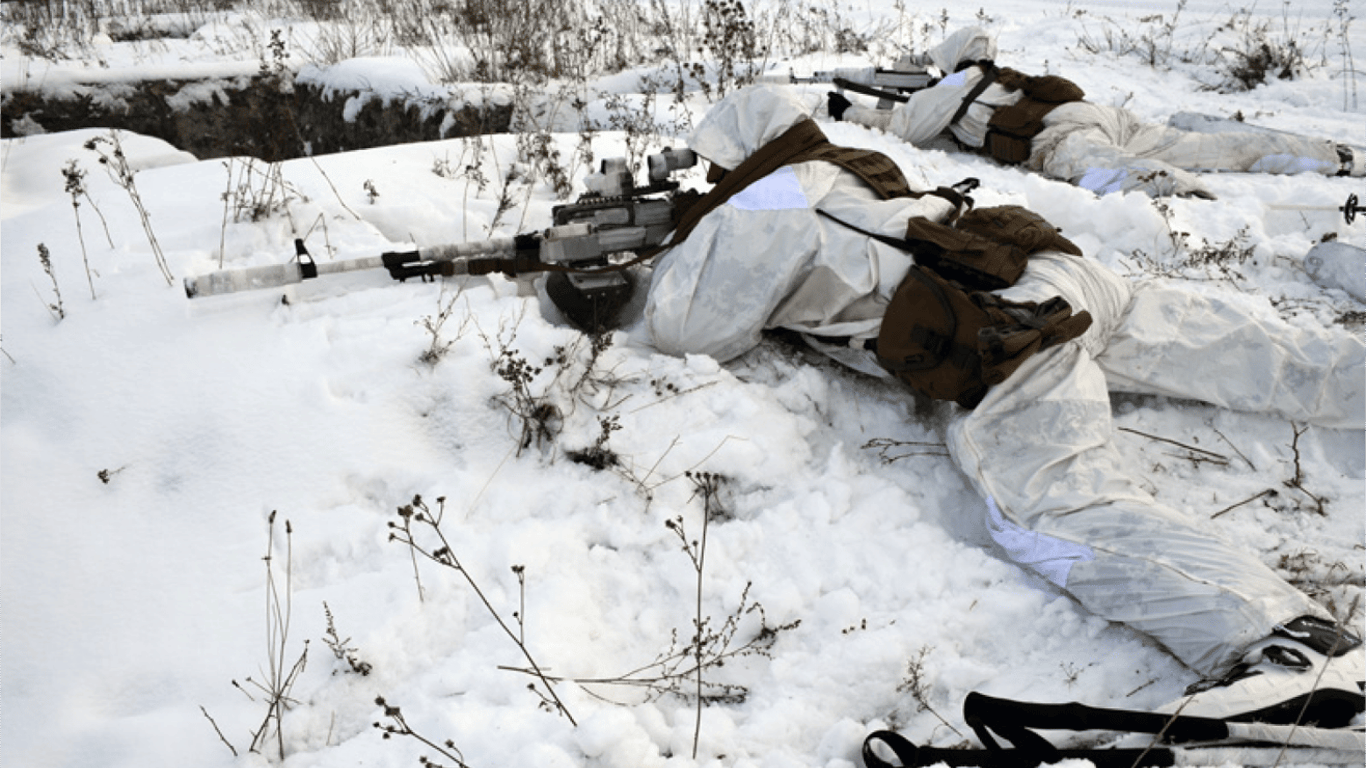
(748, 119)
(968, 44)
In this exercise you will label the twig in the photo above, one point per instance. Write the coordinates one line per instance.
(75, 186)
(1295, 448)
(1161, 733)
(1190, 448)
(884, 446)
(520, 615)
(341, 648)
(706, 485)
(278, 614)
(302, 142)
(669, 673)
(1141, 687)
(417, 574)
(219, 731)
(401, 728)
(475, 501)
(223, 230)
(1235, 448)
(674, 393)
(698, 463)
(45, 258)
(915, 685)
(116, 164)
(1297, 482)
(1198, 459)
(444, 555)
(655, 466)
(1231, 507)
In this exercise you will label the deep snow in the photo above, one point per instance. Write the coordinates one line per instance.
(147, 438)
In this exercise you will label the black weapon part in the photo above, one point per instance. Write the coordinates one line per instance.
(911, 755)
(1351, 209)
(405, 264)
(308, 268)
(402, 265)
(868, 90)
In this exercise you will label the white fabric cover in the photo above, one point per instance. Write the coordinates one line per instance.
(1048, 556)
(1040, 446)
(1081, 138)
(927, 114)
(1102, 148)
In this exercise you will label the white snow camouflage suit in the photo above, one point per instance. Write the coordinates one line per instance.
(1101, 148)
(1040, 446)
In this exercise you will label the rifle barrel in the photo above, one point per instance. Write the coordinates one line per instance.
(278, 275)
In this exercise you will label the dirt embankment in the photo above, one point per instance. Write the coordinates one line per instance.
(255, 116)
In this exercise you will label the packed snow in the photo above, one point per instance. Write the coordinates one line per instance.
(149, 439)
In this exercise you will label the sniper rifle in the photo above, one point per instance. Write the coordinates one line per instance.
(890, 86)
(587, 252)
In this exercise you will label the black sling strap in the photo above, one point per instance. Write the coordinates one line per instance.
(989, 75)
(1012, 721)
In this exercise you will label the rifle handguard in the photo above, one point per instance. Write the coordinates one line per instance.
(511, 267)
(460, 259)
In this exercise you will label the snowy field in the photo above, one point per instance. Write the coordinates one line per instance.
(847, 585)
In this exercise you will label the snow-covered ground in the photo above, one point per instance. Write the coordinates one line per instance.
(149, 438)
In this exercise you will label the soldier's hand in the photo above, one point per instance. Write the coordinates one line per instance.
(836, 103)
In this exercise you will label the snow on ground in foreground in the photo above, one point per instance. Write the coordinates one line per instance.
(147, 438)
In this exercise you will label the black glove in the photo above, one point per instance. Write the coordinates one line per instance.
(837, 104)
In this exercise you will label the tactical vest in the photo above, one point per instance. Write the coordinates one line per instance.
(945, 334)
(1012, 129)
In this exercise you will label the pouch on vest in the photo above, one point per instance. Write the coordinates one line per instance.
(952, 344)
(1011, 130)
(988, 247)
